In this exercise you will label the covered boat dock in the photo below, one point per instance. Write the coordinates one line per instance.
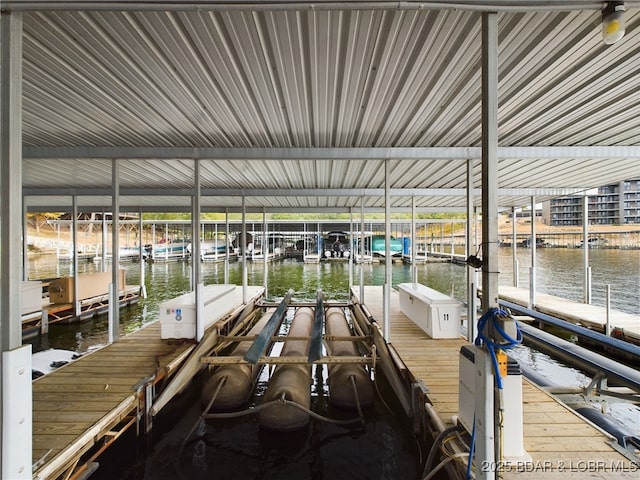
(263, 107)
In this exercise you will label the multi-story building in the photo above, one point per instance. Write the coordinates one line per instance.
(617, 204)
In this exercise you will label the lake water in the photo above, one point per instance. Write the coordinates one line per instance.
(384, 448)
(559, 272)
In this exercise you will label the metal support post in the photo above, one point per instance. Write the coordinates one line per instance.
(74, 255)
(485, 440)
(228, 244)
(514, 246)
(243, 251)
(470, 250)
(195, 252)
(15, 361)
(362, 249)
(387, 264)
(143, 287)
(114, 297)
(585, 248)
(534, 242)
(414, 269)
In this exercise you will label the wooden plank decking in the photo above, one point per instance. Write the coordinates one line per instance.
(584, 314)
(87, 401)
(561, 443)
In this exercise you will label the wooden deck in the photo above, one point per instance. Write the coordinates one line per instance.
(87, 403)
(584, 314)
(561, 443)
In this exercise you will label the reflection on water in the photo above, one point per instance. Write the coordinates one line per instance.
(559, 272)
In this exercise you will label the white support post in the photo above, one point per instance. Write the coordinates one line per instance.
(362, 227)
(350, 260)
(114, 298)
(470, 249)
(74, 255)
(607, 326)
(195, 252)
(17, 413)
(143, 287)
(243, 250)
(514, 246)
(585, 248)
(15, 389)
(388, 268)
(485, 421)
(534, 242)
(414, 268)
(228, 244)
(265, 248)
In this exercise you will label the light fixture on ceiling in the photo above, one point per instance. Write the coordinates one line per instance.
(613, 22)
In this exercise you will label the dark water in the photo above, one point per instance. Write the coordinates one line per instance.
(238, 449)
(384, 448)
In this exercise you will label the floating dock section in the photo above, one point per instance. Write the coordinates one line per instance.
(350, 386)
(230, 386)
(290, 382)
(83, 407)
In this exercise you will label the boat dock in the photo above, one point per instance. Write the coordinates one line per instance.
(561, 443)
(587, 315)
(80, 408)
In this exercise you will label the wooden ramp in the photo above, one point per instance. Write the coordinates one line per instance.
(561, 443)
(86, 404)
(591, 316)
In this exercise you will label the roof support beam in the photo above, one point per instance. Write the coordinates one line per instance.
(258, 5)
(297, 192)
(377, 153)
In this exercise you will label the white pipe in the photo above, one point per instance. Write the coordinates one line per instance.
(608, 310)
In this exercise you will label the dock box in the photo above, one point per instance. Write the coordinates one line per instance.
(437, 314)
(31, 299)
(89, 285)
(178, 315)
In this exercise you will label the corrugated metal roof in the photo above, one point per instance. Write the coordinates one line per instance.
(143, 81)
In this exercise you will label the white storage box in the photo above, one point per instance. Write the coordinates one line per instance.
(31, 297)
(437, 314)
(178, 315)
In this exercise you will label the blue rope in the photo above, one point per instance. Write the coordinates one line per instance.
(492, 315)
(471, 449)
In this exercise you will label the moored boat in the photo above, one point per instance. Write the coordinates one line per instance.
(46, 361)
(336, 245)
(168, 250)
(376, 245)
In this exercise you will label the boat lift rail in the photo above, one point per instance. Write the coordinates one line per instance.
(592, 335)
(583, 358)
